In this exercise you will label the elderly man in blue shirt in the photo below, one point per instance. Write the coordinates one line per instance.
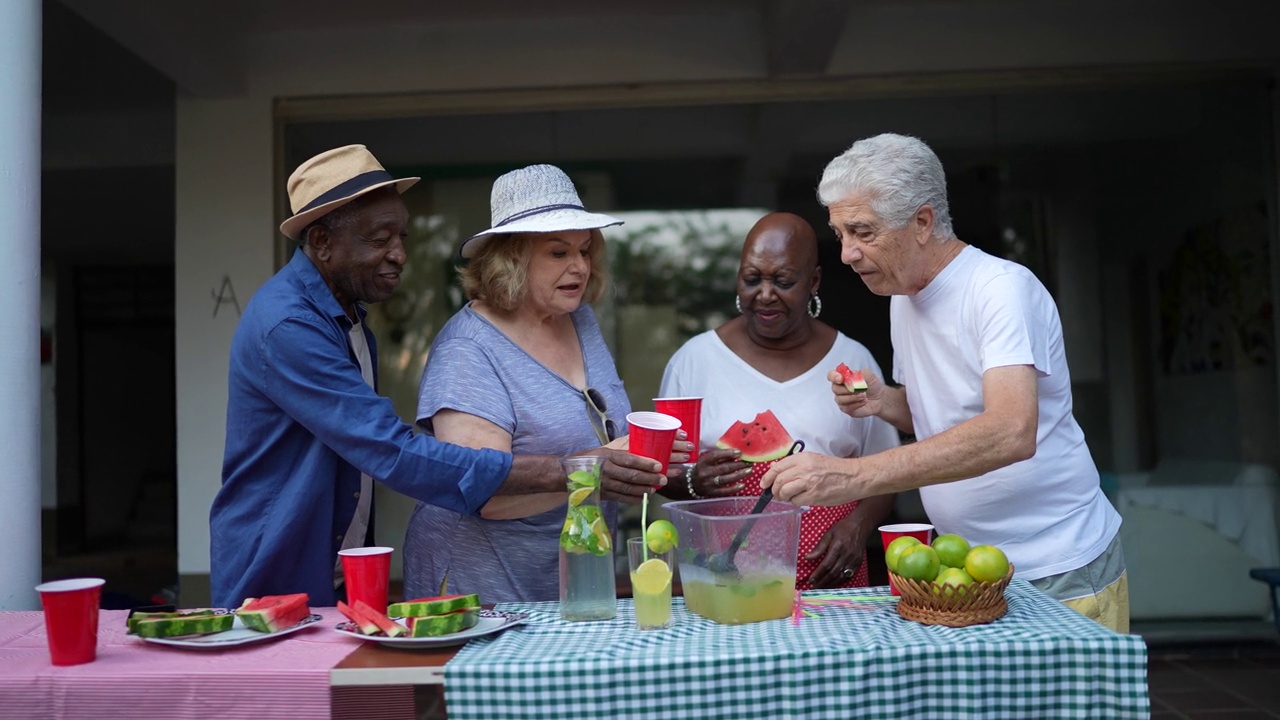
(307, 432)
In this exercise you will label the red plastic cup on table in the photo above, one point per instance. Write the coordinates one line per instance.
(367, 571)
(71, 618)
(688, 410)
(652, 436)
(888, 533)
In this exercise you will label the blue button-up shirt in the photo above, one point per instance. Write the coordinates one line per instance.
(302, 425)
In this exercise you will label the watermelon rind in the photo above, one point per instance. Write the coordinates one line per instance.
(386, 625)
(762, 440)
(191, 624)
(423, 607)
(137, 617)
(436, 625)
(366, 625)
(272, 613)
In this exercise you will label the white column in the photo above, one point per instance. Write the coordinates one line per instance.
(20, 300)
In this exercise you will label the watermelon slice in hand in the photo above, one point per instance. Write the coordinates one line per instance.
(852, 379)
(761, 440)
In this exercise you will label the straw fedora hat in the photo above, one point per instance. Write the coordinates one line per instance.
(332, 179)
(538, 198)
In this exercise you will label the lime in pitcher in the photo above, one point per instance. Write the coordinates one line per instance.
(587, 590)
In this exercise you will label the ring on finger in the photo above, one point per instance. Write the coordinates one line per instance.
(716, 481)
(847, 572)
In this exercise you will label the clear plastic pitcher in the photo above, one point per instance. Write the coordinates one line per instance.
(758, 581)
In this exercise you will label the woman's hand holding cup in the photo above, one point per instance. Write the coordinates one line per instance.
(718, 473)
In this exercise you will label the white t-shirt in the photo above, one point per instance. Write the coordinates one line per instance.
(731, 390)
(1047, 513)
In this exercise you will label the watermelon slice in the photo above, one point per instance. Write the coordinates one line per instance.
(270, 613)
(852, 379)
(389, 627)
(456, 621)
(761, 440)
(440, 605)
(367, 625)
(134, 618)
(195, 622)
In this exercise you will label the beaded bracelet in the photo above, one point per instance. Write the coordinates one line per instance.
(688, 479)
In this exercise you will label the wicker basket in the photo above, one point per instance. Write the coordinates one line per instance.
(931, 604)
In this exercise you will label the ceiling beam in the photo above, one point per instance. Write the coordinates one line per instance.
(194, 44)
(720, 92)
(800, 36)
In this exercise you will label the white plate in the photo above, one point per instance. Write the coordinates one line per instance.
(491, 621)
(237, 635)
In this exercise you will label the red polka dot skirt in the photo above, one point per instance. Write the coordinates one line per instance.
(813, 525)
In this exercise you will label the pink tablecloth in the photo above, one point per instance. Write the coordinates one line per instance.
(285, 678)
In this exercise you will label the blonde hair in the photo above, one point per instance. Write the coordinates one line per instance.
(498, 274)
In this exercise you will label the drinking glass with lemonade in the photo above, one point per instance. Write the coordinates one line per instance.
(650, 583)
(650, 559)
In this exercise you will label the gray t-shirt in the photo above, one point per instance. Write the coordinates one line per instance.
(474, 368)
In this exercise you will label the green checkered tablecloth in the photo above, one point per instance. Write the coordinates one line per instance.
(1041, 660)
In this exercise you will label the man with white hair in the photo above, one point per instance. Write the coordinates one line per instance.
(983, 385)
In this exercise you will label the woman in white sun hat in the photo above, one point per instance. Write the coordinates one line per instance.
(522, 367)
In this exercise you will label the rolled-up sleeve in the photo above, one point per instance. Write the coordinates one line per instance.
(306, 373)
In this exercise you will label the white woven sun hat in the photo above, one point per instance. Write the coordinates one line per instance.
(538, 198)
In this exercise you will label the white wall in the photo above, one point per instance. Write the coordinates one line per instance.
(224, 229)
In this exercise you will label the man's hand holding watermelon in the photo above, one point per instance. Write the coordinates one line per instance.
(860, 403)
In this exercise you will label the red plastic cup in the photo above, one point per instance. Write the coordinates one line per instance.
(368, 573)
(71, 619)
(688, 410)
(652, 436)
(888, 533)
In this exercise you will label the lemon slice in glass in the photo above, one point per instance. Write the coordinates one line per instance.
(601, 530)
(652, 577)
(577, 496)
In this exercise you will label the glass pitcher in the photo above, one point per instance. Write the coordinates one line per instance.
(587, 589)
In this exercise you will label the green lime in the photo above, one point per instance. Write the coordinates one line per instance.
(918, 562)
(895, 550)
(583, 478)
(661, 536)
(951, 549)
(957, 578)
(986, 563)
